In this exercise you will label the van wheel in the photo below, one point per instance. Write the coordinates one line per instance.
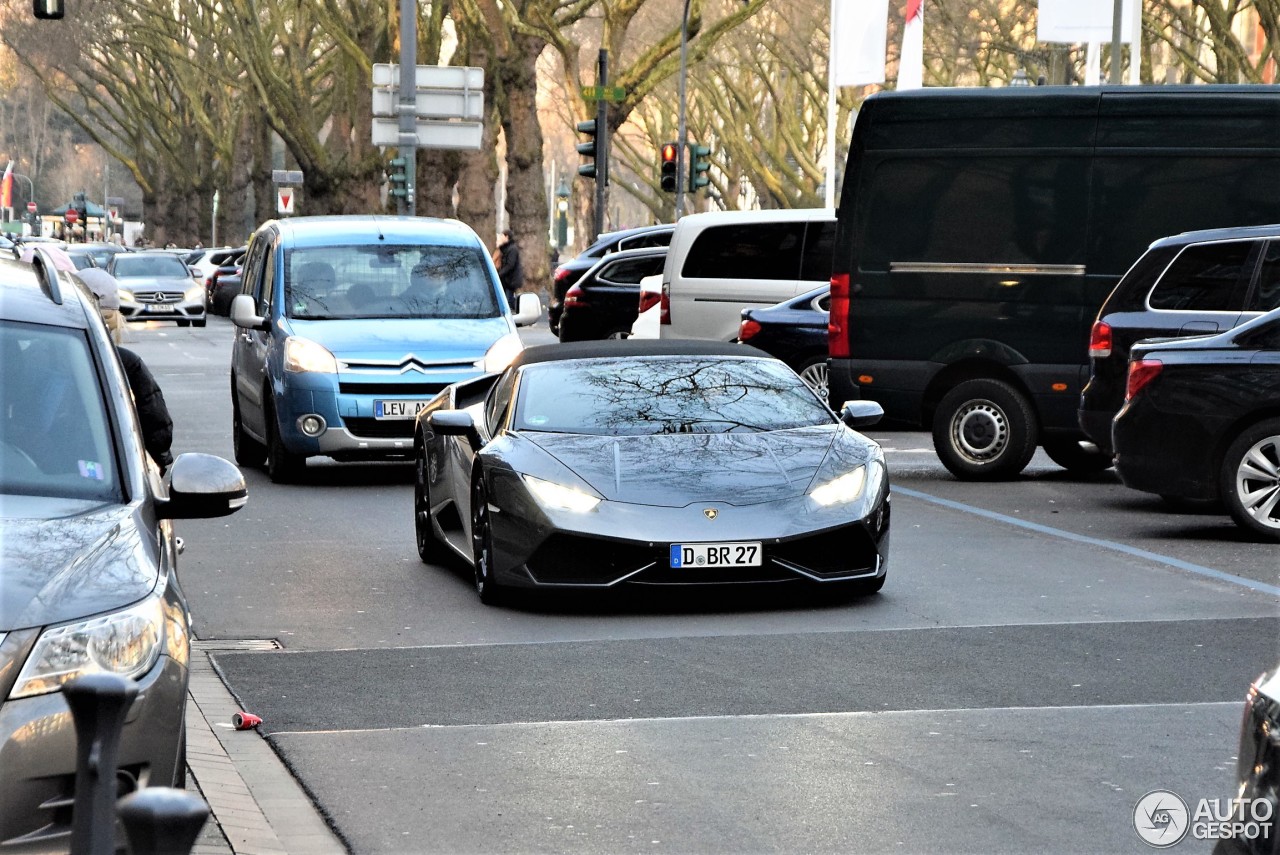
(283, 466)
(984, 430)
(248, 451)
(1250, 479)
(1076, 456)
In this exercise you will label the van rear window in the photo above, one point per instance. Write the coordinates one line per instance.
(746, 251)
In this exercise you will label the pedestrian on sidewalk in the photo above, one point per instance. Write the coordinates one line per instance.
(510, 269)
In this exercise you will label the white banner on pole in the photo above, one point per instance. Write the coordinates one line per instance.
(1082, 21)
(859, 34)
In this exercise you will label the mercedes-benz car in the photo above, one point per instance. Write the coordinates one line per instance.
(594, 464)
(157, 286)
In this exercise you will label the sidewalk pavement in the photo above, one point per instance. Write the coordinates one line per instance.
(256, 807)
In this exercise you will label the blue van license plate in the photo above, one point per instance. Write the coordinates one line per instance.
(397, 409)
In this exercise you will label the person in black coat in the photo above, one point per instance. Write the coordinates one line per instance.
(510, 269)
(153, 413)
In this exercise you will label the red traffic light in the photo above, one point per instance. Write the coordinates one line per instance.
(669, 153)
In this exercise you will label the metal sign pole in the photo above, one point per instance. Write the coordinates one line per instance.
(602, 141)
(408, 142)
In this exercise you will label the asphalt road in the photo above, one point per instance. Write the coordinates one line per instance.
(1045, 652)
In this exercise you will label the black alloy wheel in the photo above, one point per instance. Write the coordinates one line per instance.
(248, 451)
(430, 549)
(283, 466)
(1250, 479)
(482, 544)
(1076, 456)
(985, 430)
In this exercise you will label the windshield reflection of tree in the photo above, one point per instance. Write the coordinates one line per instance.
(666, 395)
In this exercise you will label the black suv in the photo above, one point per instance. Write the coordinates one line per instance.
(1196, 283)
(1201, 421)
(88, 580)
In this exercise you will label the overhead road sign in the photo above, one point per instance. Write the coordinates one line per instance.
(433, 103)
(431, 76)
(432, 133)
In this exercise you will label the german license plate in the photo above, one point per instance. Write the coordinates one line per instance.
(397, 409)
(716, 555)
(162, 309)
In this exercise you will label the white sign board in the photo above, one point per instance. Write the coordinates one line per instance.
(285, 198)
(431, 76)
(433, 104)
(459, 136)
(1082, 21)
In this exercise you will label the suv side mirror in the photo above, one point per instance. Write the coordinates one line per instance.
(528, 310)
(244, 313)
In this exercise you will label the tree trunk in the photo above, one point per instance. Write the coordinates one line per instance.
(526, 193)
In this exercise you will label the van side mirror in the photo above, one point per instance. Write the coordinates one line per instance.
(860, 414)
(528, 310)
(244, 313)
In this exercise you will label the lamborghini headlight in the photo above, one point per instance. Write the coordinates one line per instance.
(126, 642)
(500, 354)
(555, 495)
(847, 488)
(302, 354)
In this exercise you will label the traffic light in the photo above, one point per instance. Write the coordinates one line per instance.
(589, 148)
(670, 154)
(698, 166)
(399, 180)
(48, 9)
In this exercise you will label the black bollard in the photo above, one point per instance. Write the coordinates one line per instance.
(99, 704)
(162, 820)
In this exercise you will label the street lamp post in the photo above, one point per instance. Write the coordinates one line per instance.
(562, 221)
(681, 130)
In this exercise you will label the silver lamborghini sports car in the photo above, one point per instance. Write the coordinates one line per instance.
(597, 464)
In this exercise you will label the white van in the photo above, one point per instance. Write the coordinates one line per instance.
(723, 262)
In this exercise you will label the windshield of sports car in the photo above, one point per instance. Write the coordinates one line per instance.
(54, 432)
(379, 281)
(665, 394)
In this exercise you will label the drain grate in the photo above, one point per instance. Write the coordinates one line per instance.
(212, 645)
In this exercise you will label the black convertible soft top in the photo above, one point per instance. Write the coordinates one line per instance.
(622, 349)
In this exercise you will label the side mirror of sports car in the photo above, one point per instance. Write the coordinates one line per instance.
(859, 414)
(452, 423)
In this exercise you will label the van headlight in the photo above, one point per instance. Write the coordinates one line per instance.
(126, 642)
(500, 354)
(303, 354)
